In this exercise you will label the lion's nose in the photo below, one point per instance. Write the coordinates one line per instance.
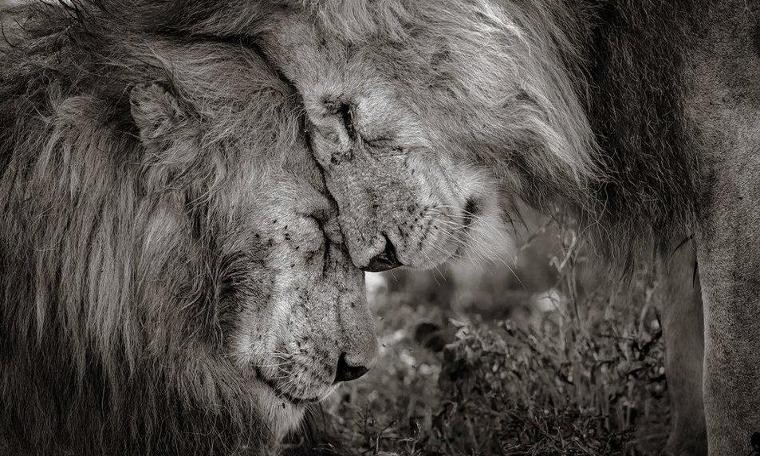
(347, 372)
(385, 260)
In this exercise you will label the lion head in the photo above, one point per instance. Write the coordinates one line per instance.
(301, 324)
(429, 117)
(172, 278)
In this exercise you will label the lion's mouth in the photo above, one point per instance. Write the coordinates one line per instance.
(280, 393)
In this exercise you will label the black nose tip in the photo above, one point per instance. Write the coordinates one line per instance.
(385, 261)
(347, 372)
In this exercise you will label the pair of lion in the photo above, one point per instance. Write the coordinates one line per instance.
(188, 189)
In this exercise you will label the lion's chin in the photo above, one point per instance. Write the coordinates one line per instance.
(282, 415)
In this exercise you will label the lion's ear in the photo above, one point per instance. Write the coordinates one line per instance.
(168, 133)
(155, 111)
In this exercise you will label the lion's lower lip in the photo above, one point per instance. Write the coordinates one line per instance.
(282, 394)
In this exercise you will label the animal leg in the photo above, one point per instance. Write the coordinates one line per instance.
(683, 330)
(728, 253)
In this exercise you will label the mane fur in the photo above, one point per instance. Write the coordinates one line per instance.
(632, 65)
(114, 278)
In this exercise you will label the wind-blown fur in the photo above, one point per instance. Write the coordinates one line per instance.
(137, 169)
(634, 54)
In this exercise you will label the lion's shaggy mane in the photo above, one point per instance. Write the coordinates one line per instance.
(87, 240)
(632, 69)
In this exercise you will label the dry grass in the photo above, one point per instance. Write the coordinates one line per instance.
(586, 378)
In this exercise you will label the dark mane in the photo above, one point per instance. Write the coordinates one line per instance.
(633, 72)
(90, 237)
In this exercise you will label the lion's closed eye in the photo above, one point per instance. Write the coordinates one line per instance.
(385, 143)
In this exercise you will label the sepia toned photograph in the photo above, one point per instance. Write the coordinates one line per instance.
(379, 227)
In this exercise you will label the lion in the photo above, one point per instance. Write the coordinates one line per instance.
(431, 120)
(172, 275)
